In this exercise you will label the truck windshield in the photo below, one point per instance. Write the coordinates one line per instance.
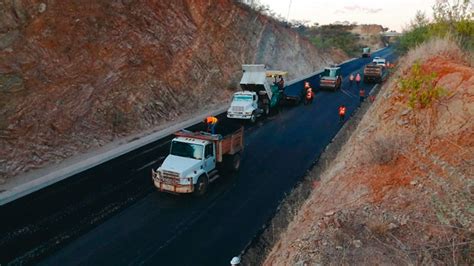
(330, 73)
(183, 149)
(242, 98)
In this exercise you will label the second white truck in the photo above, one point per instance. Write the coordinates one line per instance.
(258, 95)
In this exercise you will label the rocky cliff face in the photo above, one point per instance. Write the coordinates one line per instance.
(75, 75)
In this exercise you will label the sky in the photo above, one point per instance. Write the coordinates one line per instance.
(394, 14)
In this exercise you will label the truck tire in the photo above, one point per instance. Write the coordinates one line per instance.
(253, 118)
(234, 163)
(266, 110)
(200, 187)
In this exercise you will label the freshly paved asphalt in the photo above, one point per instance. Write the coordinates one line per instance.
(121, 219)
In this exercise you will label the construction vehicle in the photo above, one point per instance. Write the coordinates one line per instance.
(376, 71)
(380, 61)
(259, 95)
(197, 159)
(366, 52)
(331, 78)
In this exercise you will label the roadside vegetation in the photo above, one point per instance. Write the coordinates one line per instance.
(452, 28)
(420, 88)
(450, 20)
(324, 37)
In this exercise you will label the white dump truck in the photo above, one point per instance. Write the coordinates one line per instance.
(376, 71)
(260, 93)
(197, 159)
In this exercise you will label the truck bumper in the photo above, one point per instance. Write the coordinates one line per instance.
(238, 116)
(174, 188)
(374, 79)
(171, 187)
(327, 86)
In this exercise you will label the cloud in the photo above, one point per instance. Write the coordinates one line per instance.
(360, 9)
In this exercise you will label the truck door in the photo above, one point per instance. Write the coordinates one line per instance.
(209, 158)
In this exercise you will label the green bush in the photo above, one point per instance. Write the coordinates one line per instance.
(334, 36)
(450, 20)
(420, 88)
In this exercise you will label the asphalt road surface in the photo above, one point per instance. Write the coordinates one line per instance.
(112, 214)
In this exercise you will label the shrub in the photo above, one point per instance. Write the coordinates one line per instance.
(450, 20)
(420, 88)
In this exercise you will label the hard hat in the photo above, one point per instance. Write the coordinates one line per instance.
(235, 261)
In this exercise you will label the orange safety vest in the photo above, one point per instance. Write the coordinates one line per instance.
(342, 110)
(211, 120)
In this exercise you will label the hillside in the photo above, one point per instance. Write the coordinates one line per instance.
(349, 38)
(400, 191)
(75, 76)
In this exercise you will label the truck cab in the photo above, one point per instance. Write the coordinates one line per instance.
(196, 159)
(244, 106)
(366, 52)
(379, 61)
(259, 93)
(331, 78)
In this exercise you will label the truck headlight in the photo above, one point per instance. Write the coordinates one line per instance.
(156, 174)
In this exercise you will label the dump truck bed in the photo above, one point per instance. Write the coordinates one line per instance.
(374, 73)
(230, 141)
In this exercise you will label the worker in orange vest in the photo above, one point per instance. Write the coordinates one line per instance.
(361, 94)
(357, 79)
(306, 85)
(281, 83)
(351, 79)
(342, 113)
(309, 96)
(211, 122)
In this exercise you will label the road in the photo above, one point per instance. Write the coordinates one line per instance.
(121, 219)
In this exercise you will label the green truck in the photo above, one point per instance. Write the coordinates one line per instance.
(366, 52)
(259, 93)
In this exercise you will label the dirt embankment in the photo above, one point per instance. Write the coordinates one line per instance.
(401, 190)
(369, 35)
(75, 76)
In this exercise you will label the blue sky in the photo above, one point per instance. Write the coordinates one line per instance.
(395, 14)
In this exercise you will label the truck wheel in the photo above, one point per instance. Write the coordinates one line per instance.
(234, 164)
(200, 187)
(267, 110)
(253, 118)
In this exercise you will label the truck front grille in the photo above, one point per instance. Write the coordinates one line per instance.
(237, 108)
(170, 177)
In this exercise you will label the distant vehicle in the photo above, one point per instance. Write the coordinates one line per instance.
(259, 93)
(366, 52)
(376, 71)
(379, 61)
(195, 158)
(331, 78)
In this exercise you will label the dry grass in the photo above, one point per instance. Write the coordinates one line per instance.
(436, 47)
(384, 150)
